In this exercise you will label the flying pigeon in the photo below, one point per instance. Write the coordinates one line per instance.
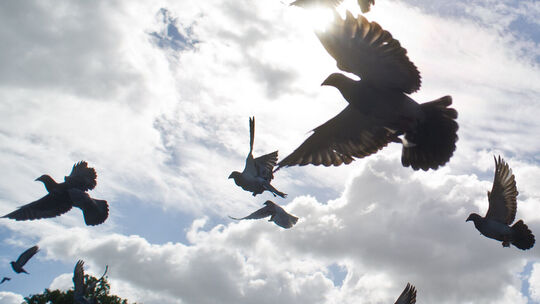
(4, 279)
(277, 215)
(257, 173)
(63, 196)
(379, 110)
(408, 296)
(23, 258)
(365, 5)
(502, 211)
(79, 286)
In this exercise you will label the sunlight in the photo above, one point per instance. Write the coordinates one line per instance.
(318, 17)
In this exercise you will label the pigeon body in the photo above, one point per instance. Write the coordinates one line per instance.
(502, 211)
(257, 172)
(365, 5)
(63, 196)
(277, 215)
(408, 296)
(379, 110)
(5, 279)
(23, 259)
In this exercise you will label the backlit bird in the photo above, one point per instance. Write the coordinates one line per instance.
(5, 279)
(379, 109)
(80, 289)
(63, 196)
(502, 211)
(408, 296)
(277, 215)
(23, 259)
(365, 5)
(257, 172)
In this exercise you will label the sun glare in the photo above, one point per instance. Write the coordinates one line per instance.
(319, 17)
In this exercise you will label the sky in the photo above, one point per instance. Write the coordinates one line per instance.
(156, 96)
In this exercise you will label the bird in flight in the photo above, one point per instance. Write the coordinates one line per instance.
(23, 259)
(365, 5)
(63, 196)
(408, 296)
(80, 288)
(5, 279)
(379, 110)
(257, 172)
(277, 215)
(502, 211)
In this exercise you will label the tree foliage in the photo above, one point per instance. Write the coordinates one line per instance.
(95, 288)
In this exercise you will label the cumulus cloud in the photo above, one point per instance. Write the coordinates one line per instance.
(388, 228)
(7, 297)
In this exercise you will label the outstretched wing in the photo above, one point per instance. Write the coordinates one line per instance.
(27, 255)
(502, 198)
(408, 296)
(265, 211)
(265, 164)
(81, 177)
(283, 218)
(95, 211)
(365, 49)
(338, 141)
(312, 3)
(78, 279)
(50, 205)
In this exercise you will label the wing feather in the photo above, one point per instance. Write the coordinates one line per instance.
(365, 49)
(348, 135)
(51, 205)
(408, 296)
(81, 177)
(503, 196)
(265, 211)
(27, 255)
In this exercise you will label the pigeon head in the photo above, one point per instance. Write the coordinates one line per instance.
(473, 217)
(44, 178)
(234, 175)
(268, 203)
(337, 80)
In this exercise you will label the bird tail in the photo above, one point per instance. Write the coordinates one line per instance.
(251, 133)
(96, 216)
(433, 141)
(523, 237)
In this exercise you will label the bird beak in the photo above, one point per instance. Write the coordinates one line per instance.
(325, 82)
(37, 179)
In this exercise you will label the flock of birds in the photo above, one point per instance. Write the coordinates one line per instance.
(379, 112)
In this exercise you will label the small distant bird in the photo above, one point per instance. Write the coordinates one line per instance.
(23, 258)
(502, 211)
(408, 296)
(63, 196)
(365, 5)
(277, 215)
(80, 288)
(379, 110)
(257, 173)
(4, 279)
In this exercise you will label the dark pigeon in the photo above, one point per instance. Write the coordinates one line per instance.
(277, 215)
(502, 211)
(257, 173)
(23, 258)
(365, 5)
(63, 196)
(379, 110)
(80, 288)
(5, 279)
(408, 296)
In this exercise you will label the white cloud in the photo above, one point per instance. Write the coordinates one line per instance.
(7, 297)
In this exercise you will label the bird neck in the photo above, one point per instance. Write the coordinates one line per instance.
(49, 182)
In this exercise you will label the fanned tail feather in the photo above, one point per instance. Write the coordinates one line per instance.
(523, 237)
(434, 140)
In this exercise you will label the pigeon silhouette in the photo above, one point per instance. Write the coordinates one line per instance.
(5, 279)
(63, 196)
(257, 172)
(502, 211)
(408, 296)
(23, 259)
(277, 215)
(365, 5)
(379, 110)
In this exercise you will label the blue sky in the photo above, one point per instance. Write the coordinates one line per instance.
(156, 97)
